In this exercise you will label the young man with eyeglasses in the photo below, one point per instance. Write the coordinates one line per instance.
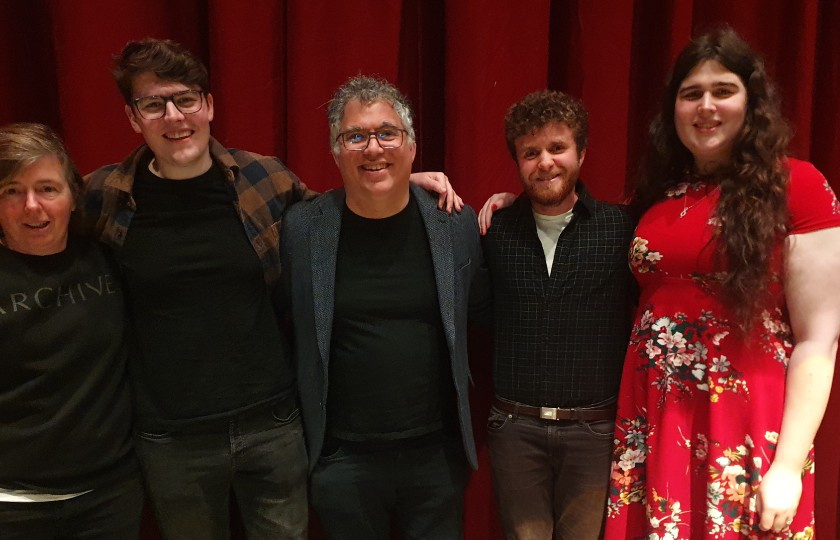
(195, 229)
(380, 284)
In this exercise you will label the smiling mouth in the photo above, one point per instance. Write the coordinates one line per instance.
(178, 135)
(375, 167)
(37, 226)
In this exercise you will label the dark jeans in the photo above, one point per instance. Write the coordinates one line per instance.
(106, 513)
(359, 488)
(550, 477)
(260, 456)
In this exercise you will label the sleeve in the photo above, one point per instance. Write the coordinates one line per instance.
(811, 201)
(86, 219)
(283, 290)
(305, 193)
(480, 304)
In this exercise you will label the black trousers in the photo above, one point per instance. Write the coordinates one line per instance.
(106, 513)
(360, 488)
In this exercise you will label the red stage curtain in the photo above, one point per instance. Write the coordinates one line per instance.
(274, 64)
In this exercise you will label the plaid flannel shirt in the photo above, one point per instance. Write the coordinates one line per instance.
(260, 187)
(560, 339)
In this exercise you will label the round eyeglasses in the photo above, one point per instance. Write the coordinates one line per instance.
(358, 140)
(154, 107)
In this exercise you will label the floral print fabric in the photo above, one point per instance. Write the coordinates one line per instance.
(700, 404)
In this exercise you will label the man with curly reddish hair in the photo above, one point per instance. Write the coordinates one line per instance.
(558, 261)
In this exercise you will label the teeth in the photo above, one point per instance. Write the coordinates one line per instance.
(39, 225)
(178, 135)
(377, 167)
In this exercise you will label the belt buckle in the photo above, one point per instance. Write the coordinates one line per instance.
(548, 413)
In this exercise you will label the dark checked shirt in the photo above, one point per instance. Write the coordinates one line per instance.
(261, 188)
(559, 340)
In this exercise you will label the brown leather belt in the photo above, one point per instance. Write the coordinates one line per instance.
(587, 414)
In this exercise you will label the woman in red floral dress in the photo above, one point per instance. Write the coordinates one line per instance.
(729, 368)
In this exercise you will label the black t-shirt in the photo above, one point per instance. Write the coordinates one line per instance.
(390, 375)
(206, 341)
(65, 415)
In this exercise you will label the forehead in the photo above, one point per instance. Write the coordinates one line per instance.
(358, 114)
(710, 72)
(47, 168)
(554, 131)
(149, 84)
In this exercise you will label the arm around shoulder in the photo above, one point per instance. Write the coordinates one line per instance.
(93, 201)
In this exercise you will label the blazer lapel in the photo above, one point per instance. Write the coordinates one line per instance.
(326, 226)
(440, 244)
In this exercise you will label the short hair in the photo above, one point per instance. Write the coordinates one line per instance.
(540, 108)
(167, 59)
(23, 144)
(367, 90)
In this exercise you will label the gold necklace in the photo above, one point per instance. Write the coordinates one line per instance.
(686, 208)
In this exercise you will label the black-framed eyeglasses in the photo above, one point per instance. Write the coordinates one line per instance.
(358, 140)
(154, 107)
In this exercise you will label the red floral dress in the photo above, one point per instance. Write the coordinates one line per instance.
(700, 404)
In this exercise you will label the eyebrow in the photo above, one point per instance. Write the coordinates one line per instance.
(552, 142)
(382, 125)
(716, 84)
(171, 94)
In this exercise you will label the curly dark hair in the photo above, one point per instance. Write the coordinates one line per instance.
(752, 209)
(168, 60)
(543, 107)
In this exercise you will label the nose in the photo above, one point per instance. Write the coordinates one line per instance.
(172, 112)
(706, 102)
(31, 203)
(371, 148)
(545, 161)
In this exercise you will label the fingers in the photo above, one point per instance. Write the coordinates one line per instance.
(441, 185)
(485, 216)
(771, 519)
(445, 201)
(778, 498)
(443, 182)
(776, 522)
(448, 199)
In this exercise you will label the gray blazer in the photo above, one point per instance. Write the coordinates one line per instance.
(308, 253)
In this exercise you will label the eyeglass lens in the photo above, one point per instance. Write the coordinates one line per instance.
(154, 107)
(387, 137)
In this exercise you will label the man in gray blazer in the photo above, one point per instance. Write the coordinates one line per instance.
(380, 283)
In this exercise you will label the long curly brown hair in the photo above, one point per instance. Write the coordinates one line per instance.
(752, 209)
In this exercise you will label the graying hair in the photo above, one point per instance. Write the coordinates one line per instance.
(367, 90)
